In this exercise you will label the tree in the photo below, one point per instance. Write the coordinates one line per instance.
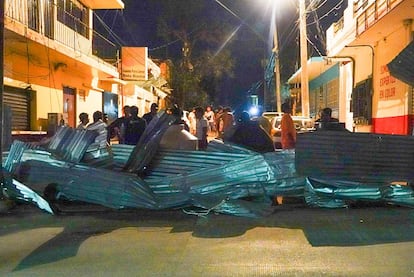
(199, 63)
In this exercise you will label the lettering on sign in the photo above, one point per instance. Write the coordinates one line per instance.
(386, 84)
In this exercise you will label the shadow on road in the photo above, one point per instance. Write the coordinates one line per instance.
(322, 227)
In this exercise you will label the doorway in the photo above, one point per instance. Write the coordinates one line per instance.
(69, 98)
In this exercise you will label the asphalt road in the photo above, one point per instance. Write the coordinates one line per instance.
(294, 241)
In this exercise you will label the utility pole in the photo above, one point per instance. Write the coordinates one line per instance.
(304, 79)
(277, 68)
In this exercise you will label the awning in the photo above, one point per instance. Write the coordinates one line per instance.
(316, 66)
(401, 67)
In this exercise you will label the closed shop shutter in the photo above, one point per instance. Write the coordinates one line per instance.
(18, 101)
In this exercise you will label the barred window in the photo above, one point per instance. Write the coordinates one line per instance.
(362, 102)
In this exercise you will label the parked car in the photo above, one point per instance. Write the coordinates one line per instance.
(302, 124)
(271, 115)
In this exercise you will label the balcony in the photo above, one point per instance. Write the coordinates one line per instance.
(368, 15)
(47, 24)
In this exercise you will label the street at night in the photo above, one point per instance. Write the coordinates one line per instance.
(293, 241)
(207, 138)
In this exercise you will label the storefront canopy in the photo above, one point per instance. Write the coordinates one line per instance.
(401, 67)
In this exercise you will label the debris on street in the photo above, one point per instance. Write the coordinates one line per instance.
(226, 178)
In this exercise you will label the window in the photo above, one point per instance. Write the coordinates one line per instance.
(33, 14)
(75, 15)
(362, 102)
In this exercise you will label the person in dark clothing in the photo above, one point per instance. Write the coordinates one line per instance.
(250, 134)
(135, 127)
(326, 116)
(153, 112)
(329, 123)
(117, 127)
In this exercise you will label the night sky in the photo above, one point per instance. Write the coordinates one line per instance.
(251, 45)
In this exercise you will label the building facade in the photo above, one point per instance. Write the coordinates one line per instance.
(57, 66)
(354, 79)
(371, 34)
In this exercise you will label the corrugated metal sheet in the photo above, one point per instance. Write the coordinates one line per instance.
(148, 144)
(71, 144)
(173, 162)
(355, 156)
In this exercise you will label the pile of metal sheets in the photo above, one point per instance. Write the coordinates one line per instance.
(226, 178)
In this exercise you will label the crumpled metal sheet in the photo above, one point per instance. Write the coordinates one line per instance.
(233, 176)
(14, 189)
(231, 180)
(331, 193)
(398, 194)
(254, 207)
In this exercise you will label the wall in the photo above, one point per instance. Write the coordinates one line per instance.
(390, 100)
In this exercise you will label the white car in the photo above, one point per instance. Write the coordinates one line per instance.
(271, 115)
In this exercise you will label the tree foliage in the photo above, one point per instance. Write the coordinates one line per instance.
(200, 61)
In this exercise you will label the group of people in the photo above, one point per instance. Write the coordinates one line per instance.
(222, 124)
(217, 121)
(254, 134)
(127, 129)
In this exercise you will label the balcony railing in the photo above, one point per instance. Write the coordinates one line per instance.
(62, 27)
(368, 15)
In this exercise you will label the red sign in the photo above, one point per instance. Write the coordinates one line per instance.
(134, 63)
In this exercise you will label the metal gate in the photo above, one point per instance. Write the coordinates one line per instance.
(19, 102)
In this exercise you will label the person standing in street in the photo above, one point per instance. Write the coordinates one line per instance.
(192, 120)
(117, 127)
(249, 134)
(288, 130)
(201, 128)
(226, 121)
(135, 127)
(209, 115)
(100, 127)
(217, 119)
(150, 115)
(83, 121)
